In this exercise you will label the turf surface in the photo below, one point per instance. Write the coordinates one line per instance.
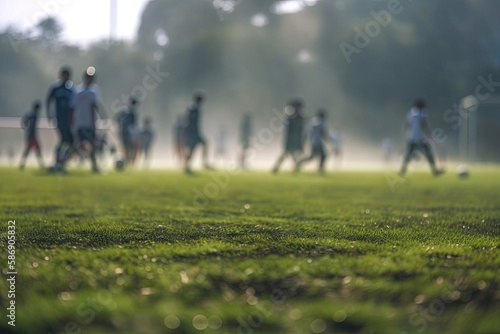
(161, 252)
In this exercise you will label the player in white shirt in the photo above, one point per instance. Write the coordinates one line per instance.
(417, 131)
(85, 108)
(318, 135)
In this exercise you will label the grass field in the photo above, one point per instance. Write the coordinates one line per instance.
(161, 252)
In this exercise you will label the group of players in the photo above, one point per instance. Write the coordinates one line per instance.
(416, 128)
(134, 141)
(188, 136)
(76, 111)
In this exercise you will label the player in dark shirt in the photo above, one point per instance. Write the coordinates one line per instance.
(146, 139)
(127, 126)
(192, 132)
(245, 138)
(294, 134)
(62, 94)
(29, 124)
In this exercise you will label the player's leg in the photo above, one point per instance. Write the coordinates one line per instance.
(189, 155)
(90, 138)
(87, 144)
(297, 156)
(243, 155)
(80, 144)
(299, 162)
(425, 148)
(38, 153)
(66, 149)
(135, 147)
(127, 146)
(280, 160)
(410, 150)
(24, 156)
(123, 142)
(145, 151)
(59, 146)
(128, 151)
(322, 159)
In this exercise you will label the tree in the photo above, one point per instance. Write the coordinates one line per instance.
(49, 30)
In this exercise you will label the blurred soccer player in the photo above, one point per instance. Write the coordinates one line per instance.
(61, 94)
(318, 135)
(192, 132)
(179, 140)
(294, 136)
(85, 109)
(146, 139)
(127, 124)
(29, 124)
(245, 134)
(418, 131)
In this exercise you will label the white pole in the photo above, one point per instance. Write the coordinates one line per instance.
(468, 129)
(463, 138)
(472, 135)
(112, 20)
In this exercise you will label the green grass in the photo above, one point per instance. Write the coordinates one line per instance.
(134, 252)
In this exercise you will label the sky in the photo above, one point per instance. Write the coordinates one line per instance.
(84, 21)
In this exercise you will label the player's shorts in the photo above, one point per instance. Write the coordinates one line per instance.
(86, 135)
(293, 146)
(422, 146)
(33, 143)
(318, 151)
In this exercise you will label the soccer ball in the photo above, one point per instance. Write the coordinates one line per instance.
(120, 165)
(462, 172)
